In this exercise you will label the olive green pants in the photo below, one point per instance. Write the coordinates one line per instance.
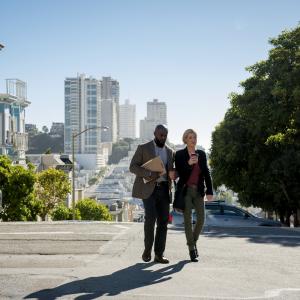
(193, 200)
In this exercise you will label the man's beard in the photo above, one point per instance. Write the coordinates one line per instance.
(159, 143)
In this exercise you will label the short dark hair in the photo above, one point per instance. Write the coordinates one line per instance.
(161, 127)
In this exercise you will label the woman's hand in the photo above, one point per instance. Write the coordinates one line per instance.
(193, 159)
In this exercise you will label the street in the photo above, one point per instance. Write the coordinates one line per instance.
(98, 260)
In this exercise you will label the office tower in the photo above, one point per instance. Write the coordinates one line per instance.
(110, 91)
(157, 111)
(156, 114)
(82, 111)
(127, 120)
(109, 119)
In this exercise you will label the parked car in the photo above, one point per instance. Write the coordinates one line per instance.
(221, 214)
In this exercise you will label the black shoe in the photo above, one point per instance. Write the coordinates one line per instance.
(193, 255)
(161, 259)
(146, 256)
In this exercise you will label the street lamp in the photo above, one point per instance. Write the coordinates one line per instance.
(74, 135)
(1, 47)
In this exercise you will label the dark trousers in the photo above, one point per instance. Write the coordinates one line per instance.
(156, 211)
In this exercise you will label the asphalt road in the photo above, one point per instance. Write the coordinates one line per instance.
(95, 260)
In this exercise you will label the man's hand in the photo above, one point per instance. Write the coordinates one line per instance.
(154, 176)
(209, 197)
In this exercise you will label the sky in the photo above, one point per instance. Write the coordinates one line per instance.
(190, 54)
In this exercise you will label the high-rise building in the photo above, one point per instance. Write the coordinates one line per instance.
(110, 91)
(127, 120)
(82, 111)
(157, 111)
(109, 119)
(156, 114)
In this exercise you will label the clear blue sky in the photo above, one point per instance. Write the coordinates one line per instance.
(190, 54)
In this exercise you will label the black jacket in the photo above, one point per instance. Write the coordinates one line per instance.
(184, 171)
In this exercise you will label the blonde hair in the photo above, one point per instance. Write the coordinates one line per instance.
(186, 133)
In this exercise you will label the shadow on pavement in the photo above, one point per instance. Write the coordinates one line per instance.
(110, 285)
(263, 235)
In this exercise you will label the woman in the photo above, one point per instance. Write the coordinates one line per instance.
(191, 168)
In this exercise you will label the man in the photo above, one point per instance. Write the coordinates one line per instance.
(155, 194)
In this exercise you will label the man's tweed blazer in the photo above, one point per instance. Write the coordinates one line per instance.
(144, 153)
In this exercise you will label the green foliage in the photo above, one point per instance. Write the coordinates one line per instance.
(51, 189)
(17, 184)
(42, 142)
(61, 212)
(98, 176)
(91, 210)
(45, 129)
(256, 148)
(92, 180)
(48, 151)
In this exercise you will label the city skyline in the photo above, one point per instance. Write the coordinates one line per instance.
(191, 54)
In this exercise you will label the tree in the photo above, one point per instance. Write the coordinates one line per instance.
(91, 210)
(17, 184)
(256, 148)
(61, 212)
(42, 142)
(51, 189)
(45, 129)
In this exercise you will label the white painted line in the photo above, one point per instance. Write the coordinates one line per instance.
(267, 295)
(57, 232)
(252, 235)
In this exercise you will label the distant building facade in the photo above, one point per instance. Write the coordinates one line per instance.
(156, 114)
(13, 138)
(57, 129)
(127, 120)
(109, 119)
(82, 111)
(31, 129)
(110, 93)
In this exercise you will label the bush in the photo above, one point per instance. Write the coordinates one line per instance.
(61, 212)
(91, 210)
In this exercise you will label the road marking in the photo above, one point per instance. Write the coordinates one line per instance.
(57, 232)
(251, 235)
(267, 295)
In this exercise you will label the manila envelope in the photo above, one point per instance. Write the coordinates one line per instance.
(154, 165)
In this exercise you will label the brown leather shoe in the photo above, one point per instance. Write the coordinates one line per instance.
(161, 259)
(146, 256)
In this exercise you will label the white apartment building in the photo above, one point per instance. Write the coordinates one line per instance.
(156, 114)
(127, 120)
(82, 111)
(13, 139)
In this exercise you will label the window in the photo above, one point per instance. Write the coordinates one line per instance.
(230, 211)
(213, 209)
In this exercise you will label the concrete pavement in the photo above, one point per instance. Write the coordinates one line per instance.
(96, 260)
